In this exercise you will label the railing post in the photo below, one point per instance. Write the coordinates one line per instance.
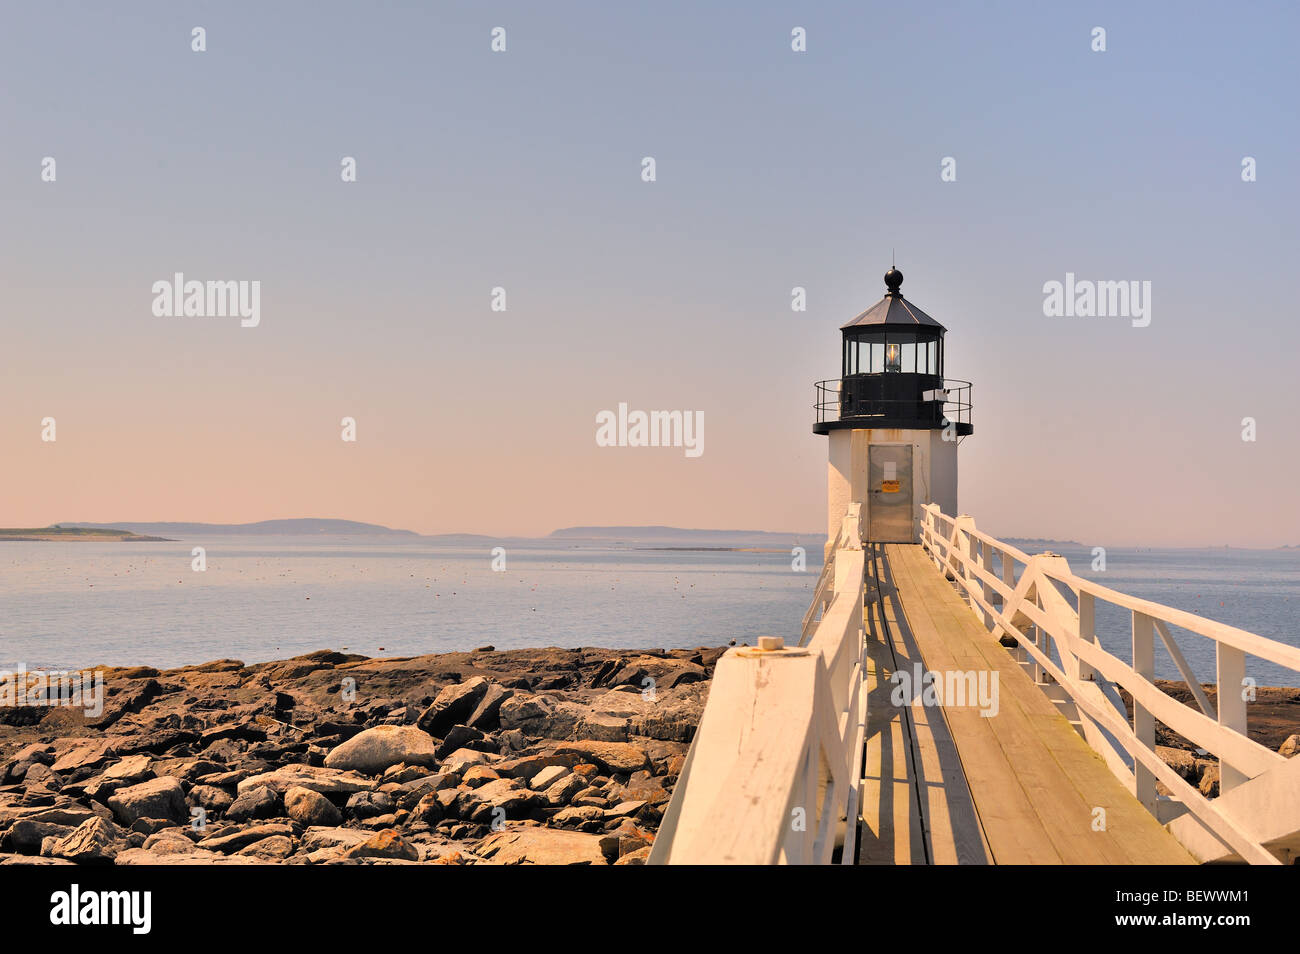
(1008, 574)
(964, 545)
(986, 564)
(1087, 631)
(1144, 723)
(1231, 675)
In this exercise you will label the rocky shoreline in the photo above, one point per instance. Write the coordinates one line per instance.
(545, 756)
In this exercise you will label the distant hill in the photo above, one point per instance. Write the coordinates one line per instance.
(664, 535)
(58, 534)
(302, 526)
(310, 526)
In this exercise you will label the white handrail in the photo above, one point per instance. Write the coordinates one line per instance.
(773, 772)
(1029, 606)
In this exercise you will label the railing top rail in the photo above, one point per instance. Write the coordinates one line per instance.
(1255, 645)
(1248, 642)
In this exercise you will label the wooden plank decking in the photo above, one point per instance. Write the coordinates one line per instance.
(953, 786)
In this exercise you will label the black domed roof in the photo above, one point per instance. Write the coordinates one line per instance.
(893, 309)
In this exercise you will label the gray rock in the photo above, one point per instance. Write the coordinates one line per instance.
(548, 777)
(376, 749)
(95, 840)
(543, 846)
(260, 802)
(609, 756)
(562, 791)
(487, 802)
(141, 856)
(169, 841)
(527, 766)
(275, 848)
(385, 844)
(129, 771)
(83, 755)
(604, 727)
(228, 842)
(541, 716)
(369, 804)
(26, 836)
(327, 781)
(458, 737)
(311, 808)
(317, 839)
(461, 759)
(580, 817)
(487, 715)
(158, 798)
(453, 705)
(210, 797)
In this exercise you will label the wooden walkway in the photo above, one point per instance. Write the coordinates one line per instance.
(947, 785)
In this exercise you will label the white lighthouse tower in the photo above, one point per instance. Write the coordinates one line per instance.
(893, 420)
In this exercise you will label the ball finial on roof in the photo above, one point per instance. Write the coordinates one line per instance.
(893, 279)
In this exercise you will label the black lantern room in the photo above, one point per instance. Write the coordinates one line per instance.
(891, 372)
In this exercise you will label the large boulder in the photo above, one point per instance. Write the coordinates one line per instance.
(671, 715)
(260, 802)
(228, 842)
(157, 798)
(275, 848)
(486, 717)
(385, 844)
(311, 808)
(1291, 747)
(26, 836)
(139, 856)
(610, 756)
(544, 846)
(318, 839)
(83, 755)
(376, 749)
(327, 781)
(210, 798)
(94, 840)
(542, 716)
(129, 771)
(453, 705)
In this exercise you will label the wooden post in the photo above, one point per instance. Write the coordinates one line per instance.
(1231, 674)
(986, 564)
(1144, 723)
(1087, 631)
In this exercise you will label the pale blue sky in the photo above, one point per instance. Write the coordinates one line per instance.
(521, 169)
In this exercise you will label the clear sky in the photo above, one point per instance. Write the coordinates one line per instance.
(523, 169)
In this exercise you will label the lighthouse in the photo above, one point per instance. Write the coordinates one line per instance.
(893, 419)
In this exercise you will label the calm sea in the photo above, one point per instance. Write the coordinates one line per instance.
(69, 605)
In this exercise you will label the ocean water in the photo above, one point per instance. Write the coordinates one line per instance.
(69, 605)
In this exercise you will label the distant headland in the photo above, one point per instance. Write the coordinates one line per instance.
(58, 533)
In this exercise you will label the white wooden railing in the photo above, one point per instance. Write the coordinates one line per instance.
(773, 773)
(1257, 815)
